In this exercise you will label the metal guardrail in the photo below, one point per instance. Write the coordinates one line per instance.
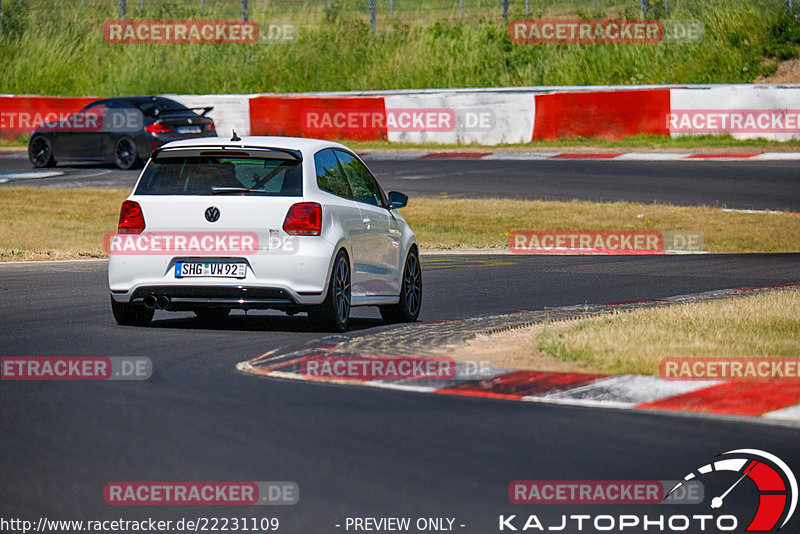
(383, 10)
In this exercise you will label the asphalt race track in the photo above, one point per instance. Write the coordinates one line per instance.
(352, 451)
(739, 185)
(762, 185)
(364, 452)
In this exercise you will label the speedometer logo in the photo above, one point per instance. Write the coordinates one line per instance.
(775, 482)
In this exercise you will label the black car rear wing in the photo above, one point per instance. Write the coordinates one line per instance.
(205, 109)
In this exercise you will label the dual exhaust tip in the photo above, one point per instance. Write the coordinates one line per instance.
(156, 302)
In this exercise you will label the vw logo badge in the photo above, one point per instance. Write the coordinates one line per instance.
(212, 214)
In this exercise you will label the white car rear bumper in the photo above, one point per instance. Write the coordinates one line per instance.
(295, 274)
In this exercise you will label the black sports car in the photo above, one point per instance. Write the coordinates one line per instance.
(122, 130)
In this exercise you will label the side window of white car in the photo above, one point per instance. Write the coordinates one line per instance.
(329, 174)
(363, 185)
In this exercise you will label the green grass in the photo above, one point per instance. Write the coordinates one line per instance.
(62, 51)
(44, 223)
(635, 342)
(448, 223)
(22, 141)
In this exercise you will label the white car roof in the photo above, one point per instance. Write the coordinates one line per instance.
(303, 144)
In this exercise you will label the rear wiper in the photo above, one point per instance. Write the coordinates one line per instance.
(227, 190)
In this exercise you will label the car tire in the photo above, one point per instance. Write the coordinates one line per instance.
(212, 315)
(131, 314)
(126, 156)
(334, 312)
(40, 152)
(407, 309)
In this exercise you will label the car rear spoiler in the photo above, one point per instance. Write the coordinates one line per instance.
(205, 109)
(295, 155)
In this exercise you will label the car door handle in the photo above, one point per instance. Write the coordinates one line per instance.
(366, 223)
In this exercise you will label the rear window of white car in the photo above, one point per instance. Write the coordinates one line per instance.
(202, 175)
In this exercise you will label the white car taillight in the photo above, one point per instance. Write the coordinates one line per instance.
(131, 218)
(303, 218)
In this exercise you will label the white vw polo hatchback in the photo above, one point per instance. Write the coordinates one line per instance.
(262, 223)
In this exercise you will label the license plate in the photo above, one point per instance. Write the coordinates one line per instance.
(189, 129)
(185, 269)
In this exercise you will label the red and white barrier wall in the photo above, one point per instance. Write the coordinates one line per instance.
(20, 114)
(330, 117)
(479, 116)
(602, 114)
(485, 118)
(230, 111)
(744, 111)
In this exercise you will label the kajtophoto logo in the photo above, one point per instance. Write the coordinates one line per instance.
(775, 483)
(770, 496)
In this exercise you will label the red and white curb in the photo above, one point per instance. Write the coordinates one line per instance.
(605, 156)
(774, 402)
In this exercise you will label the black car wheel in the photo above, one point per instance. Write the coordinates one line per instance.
(334, 312)
(125, 154)
(40, 152)
(407, 310)
(131, 314)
